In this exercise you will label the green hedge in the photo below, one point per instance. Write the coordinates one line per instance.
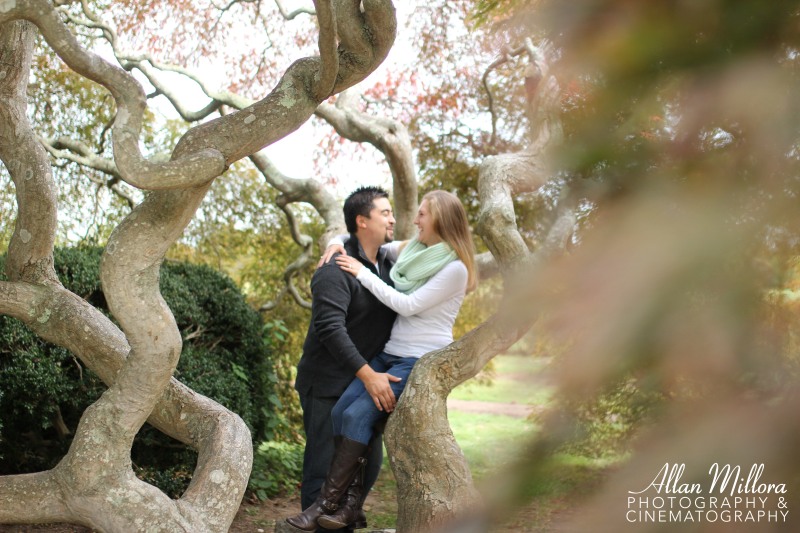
(224, 358)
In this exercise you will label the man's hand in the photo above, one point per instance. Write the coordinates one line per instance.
(379, 388)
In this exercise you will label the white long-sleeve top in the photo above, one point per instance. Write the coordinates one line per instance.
(426, 316)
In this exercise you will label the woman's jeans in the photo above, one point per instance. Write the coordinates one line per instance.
(355, 414)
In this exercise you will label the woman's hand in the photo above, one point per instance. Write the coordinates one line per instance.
(348, 264)
(329, 252)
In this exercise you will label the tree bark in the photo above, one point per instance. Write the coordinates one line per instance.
(434, 482)
(30, 249)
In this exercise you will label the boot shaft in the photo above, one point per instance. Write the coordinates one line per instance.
(348, 461)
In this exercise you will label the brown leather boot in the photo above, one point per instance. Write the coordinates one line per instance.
(350, 512)
(347, 461)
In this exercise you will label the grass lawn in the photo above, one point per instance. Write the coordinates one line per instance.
(517, 379)
(489, 441)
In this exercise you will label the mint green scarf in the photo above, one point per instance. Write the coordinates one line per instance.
(418, 263)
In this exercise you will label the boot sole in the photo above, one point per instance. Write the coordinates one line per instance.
(294, 527)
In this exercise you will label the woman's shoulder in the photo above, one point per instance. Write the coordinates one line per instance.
(455, 267)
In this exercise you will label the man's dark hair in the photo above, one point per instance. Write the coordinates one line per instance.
(360, 203)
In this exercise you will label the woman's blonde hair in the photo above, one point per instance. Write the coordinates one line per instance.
(450, 222)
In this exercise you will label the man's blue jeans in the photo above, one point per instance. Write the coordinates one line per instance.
(355, 414)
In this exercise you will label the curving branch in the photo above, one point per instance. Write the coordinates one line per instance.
(78, 152)
(148, 66)
(329, 57)
(392, 139)
(365, 39)
(539, 113)
(195, 168)
(434, 482)
(299, 190)
(291, 15)
(306, 259)
(503, 176)
(40, 503)
(505, 57)
(30, 249)
(304, 190)
(174, 98)
(60, 317)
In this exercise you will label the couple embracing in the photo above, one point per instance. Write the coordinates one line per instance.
(377, 307)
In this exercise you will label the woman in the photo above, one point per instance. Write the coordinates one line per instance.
(432, 274)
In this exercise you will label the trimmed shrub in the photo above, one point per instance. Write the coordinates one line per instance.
(45, 389)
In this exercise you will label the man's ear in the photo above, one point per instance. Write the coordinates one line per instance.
(361, 221)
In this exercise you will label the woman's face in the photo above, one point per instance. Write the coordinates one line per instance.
(424, 222)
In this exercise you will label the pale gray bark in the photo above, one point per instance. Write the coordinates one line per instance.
(94, 484)
(434, 482)
(198, 167)
(29, 252)
(289, 15)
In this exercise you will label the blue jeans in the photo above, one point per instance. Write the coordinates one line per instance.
(355, 414)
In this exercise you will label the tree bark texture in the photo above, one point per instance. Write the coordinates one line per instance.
(435, 488)
(94, 484)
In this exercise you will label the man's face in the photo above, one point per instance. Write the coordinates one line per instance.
(379, 227)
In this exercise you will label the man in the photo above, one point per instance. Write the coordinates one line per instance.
(348, 327)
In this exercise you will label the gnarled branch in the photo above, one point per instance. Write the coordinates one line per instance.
(392, 139)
